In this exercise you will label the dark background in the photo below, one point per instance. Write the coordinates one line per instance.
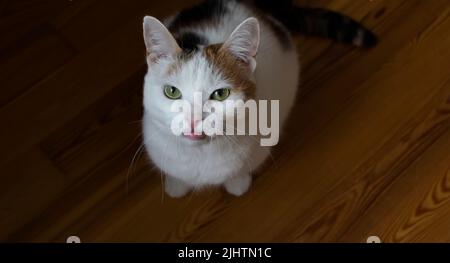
(367, 150)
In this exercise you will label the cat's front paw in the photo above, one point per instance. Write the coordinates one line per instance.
(175, 188)
(238, 185)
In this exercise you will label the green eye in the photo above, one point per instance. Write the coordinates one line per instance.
(171, 92)
(220, 94)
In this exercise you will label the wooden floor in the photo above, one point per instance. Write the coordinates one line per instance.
(367, 151)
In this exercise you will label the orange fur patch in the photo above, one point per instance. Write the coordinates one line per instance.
(232, 68)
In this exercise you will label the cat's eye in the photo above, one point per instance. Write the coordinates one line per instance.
(220, 94)
(172, 93)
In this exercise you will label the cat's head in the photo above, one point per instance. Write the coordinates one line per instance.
(219, 72)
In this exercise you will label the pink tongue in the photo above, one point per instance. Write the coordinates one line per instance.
(193, 136)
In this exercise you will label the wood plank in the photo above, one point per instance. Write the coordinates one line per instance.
(335, 78)
(25, 64)
(20, 18)
(74, 212)
(63, 95)
(104, 129)
(28, 186)
(70, 12)
(416, 208)
(85, 28)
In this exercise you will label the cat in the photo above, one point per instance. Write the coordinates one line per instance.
(226, 50)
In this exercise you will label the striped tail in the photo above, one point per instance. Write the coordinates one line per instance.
(319, 22)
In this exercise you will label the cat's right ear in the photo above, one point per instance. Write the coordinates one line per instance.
(244, 42)
(158, 40)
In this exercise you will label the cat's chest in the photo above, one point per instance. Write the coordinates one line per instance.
(204, 165)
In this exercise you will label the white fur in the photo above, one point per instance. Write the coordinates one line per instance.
(218, 161)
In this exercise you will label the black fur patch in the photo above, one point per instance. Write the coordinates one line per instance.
(317, 22)
(207, 11)
(281, 33)
(189, 42)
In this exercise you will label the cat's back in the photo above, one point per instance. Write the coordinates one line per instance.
(210, 22)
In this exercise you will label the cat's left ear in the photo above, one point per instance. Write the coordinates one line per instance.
(158, 40)
(243, 43)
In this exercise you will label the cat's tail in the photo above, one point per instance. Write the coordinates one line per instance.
(319, 22)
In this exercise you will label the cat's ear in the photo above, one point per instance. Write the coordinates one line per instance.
(158, 40)
(243, 43)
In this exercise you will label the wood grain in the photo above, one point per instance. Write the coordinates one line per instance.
(366, 151)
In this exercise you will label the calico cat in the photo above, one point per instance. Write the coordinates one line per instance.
(226, 50)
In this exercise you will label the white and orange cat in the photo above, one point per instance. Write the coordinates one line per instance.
(226, 50)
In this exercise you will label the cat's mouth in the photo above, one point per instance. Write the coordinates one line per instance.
(195, 137)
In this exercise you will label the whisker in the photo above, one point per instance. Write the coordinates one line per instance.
(130, 167)
(163, 160)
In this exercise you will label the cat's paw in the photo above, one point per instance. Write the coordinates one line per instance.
(175, 188)
(238, 185)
